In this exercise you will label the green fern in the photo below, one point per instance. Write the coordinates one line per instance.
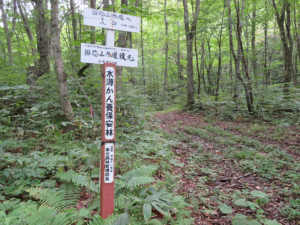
(80, 180)
(122, 220)
(140, 172)
(47, 216)
(58, 200)
(134, 178)
(111, 220)
(137, 181)
(154, 222)
(139, 176)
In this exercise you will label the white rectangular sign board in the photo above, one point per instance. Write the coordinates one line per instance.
(111, 20)
(100, 54)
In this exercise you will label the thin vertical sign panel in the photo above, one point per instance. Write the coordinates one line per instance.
(109, 103)
(109, 163)
(111, 20)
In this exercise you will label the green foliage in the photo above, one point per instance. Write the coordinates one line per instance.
(78, 179)
(292, 210)
(225, 209)
(240, 219)
(20, 170)
(46, 216)
(56, 199)
(135, 177)
(243, 202)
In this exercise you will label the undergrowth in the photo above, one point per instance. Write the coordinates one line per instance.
(45, 172)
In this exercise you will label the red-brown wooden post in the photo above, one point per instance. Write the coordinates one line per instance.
(91, 53)
(108, 125)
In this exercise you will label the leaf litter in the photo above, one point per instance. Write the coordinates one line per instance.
(211, 181)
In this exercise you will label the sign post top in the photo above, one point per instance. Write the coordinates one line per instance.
(111, 20)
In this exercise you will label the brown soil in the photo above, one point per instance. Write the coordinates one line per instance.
(228, 178)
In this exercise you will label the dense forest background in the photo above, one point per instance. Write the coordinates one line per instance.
(237, 61)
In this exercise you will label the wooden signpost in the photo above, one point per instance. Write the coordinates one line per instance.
(110, 57)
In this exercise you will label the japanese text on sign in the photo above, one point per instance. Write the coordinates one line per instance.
(99, 54)
(109, 103)
(109, 163)
(111, 20)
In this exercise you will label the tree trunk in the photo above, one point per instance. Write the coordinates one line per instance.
(61, 76)
(27, 28)
(48, 27)
(190, 32)
(237, 58)
(42, 47)
(286, 41)
(8, 33)
(74, 22)
(203, 65)
(143, 60)
(266, 68)
(209, 78)
(197, 64)
(180, 77)
(220, 58)
(248, 89)
(230, 71)
(167, 49)
(254, 57)
(122, 43)
(88, 65)
(297, 40)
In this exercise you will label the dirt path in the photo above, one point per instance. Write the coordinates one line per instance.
(225, 161)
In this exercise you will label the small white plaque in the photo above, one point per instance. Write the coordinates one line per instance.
(109, 163)
(100, 54)
(109, 103)
(111, 20)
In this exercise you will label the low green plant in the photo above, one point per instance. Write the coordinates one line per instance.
(261, 199)
(292, 210)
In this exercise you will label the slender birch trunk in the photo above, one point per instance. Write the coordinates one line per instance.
(219, 58)
(74, 22)
(253, 45)
(8, 33)
(167, 48)
(61, 75)
(236, 58)
(284, 24)
(190, 32)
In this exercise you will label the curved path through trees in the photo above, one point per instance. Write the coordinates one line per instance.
(220, 162)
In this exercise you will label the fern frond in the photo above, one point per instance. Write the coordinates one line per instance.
(143, 171)
(122, 220)
(154, 222)
(47, 216)
(65, 176)
(120, 202)
(136, 181)
(58, 200)
(97, 220)
(80, 180)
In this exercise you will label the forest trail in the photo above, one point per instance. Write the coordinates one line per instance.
(220, 162)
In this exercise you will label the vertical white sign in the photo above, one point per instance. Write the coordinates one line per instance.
(109, 103)
(109, 163)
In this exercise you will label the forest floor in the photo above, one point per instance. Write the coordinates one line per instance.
(220, 164)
